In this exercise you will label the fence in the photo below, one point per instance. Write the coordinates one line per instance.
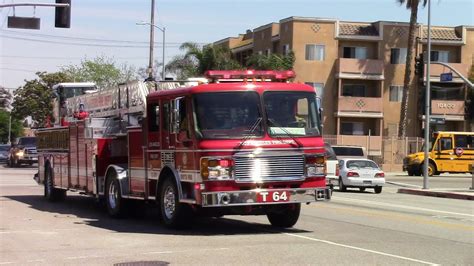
(388, 152)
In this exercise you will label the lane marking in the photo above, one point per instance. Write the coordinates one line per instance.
(6, 262)
(402, 206)
(361, 249)
(388, 214)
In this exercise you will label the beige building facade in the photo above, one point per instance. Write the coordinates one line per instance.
(358, 70)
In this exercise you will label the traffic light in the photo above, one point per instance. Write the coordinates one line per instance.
(63, 15)
(419, 65)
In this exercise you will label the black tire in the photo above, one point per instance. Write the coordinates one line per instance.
(378, 190)
(173, 214)
(362, 189)
(285, 218)
(50, 192)
(113, 198)
(411, 172)
(431, 169)
(342, 187)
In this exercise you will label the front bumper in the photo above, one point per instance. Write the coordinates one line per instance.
(254, 197)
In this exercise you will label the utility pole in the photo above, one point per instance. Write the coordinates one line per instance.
(427, 104)
(152, 37)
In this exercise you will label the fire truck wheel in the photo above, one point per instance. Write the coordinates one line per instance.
(50, 192)
(173, 214)
(286, 217)
(113, 198)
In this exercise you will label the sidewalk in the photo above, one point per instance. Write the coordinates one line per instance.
(465, 193)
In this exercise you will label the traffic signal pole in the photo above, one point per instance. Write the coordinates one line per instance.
(427, 104)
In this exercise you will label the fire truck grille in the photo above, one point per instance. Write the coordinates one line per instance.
(269, 168)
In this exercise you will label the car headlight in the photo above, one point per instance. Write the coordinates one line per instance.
(20, 153)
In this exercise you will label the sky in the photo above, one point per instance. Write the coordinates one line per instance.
(108, 28)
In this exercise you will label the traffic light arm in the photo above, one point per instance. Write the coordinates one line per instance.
(468, 82)
(34, 4)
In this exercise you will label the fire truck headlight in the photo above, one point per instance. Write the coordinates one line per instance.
(216, 169)
(315, 165)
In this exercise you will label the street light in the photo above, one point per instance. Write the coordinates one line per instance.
(163, 30)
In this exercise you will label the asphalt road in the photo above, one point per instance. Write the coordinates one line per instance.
(354, 228)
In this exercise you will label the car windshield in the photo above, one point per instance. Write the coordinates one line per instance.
(228, 114)
(27, 141)
(348, 151)
(360, 164)
(291, 113)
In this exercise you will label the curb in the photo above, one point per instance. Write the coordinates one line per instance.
(403, 184)
(440, 194)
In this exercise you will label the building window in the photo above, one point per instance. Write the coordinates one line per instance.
(260, 52)
(396, 93)
(352, 128)
(268, 52)
(440, 56)
(263, 35)
(398, 56)
(318, 88)
(314, 52)
(286, 49)
(352, 90)
(355, 52)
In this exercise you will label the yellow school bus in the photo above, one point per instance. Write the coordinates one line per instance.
(451, 152)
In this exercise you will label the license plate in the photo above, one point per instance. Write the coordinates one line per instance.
(273, 196)
(367, 182)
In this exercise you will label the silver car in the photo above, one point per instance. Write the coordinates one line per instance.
(360, 173)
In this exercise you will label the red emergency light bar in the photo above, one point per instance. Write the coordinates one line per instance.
(250, 74)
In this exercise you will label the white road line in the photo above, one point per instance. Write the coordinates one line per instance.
(400, 206)
(361, 249)
(6, 262)
(38, 260)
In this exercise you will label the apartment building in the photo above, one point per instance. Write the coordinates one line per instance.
(358, 70)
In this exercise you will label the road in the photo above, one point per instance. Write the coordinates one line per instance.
(354, 228)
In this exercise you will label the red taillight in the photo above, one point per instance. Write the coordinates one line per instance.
(337, 169)
(352, 174)
(382, 174)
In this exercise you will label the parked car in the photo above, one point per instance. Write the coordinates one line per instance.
(23, 152)
(4, 148)
(348, 151)
(332, 166)
(360, 173)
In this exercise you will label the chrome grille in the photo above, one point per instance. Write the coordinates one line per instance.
(30, 151)
(269, 167)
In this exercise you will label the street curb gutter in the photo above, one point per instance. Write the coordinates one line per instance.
(440, 194)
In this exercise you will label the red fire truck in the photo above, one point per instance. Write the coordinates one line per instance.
(246, 143)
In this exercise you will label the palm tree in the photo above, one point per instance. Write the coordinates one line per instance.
(198, 59)
(413, 6)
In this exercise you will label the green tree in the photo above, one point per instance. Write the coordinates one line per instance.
(198, 59)
(272, 61)
(103, 71)
(35, 97)
(412, 5)
(16, 127)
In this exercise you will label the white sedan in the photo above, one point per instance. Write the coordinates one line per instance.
(360, 173)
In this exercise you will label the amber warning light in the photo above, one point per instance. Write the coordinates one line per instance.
(250, 74)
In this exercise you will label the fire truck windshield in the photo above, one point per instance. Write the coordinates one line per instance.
(291, 113)
(228, 114)
(239, 114)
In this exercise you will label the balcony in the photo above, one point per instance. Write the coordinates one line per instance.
(436, 71)
(350, 68)
(360, 107)
(447, 107)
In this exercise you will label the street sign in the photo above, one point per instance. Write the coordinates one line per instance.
(437, 120)
(446, 77)
(23, 23)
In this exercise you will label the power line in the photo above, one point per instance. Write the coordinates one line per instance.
(82, 39)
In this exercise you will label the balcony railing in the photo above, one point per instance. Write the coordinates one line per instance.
(360, 104)
(360, 68)
(447, 107)
(436, 70)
